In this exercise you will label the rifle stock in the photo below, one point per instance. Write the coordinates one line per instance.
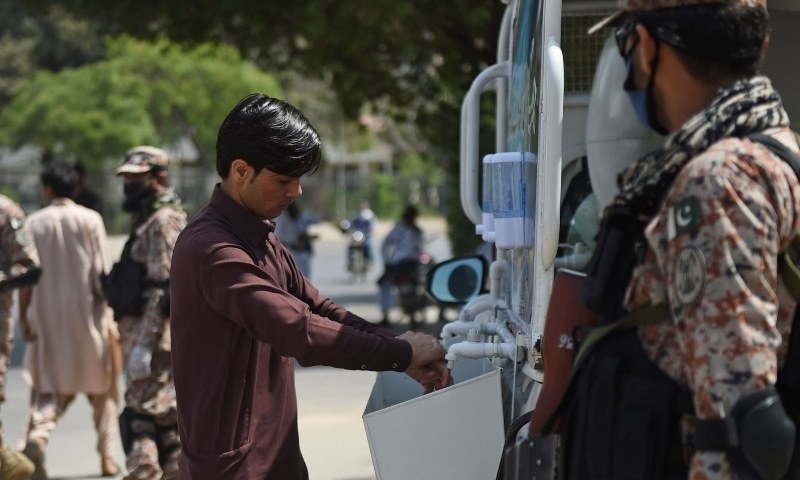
(565, 314)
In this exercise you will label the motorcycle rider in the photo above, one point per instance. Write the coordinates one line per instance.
(364, 221)
(401, 250)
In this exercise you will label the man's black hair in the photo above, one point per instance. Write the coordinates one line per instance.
(268, 133)
(61, 178)
(714, 41)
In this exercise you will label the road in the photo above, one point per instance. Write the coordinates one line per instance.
(330, 401)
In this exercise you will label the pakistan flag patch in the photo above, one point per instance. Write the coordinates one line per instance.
(685, 216)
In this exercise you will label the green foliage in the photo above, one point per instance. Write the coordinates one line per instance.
(463, 240)
(49, 40)
(411, 60)
(386, 201)
(142, 93)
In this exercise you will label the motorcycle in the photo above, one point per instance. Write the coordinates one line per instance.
(358, 263)
(408, 281)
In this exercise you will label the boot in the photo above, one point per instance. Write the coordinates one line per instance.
(14, 465)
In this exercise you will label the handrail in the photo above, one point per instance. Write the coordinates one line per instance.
(548, 181)
(502, 87)
(553, 106)
(469, 161)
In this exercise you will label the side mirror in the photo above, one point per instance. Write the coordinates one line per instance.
(458, 280)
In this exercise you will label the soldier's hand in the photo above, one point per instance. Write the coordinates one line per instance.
(139, 363)
(427, 366)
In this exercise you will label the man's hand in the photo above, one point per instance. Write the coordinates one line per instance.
(139, 363)
(427, 366)
(27, 330)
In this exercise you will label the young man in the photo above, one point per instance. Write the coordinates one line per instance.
(66, 320)
(148, 424)
(690, 247)
(242, 312)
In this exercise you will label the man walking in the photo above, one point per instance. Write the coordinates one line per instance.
(67, 321)
(140, 298)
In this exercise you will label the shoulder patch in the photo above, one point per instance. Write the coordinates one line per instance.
(689, 274)
(684, 216)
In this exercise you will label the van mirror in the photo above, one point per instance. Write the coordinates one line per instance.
(458, 280)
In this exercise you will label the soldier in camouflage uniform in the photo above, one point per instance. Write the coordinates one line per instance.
(692, 242)
(19, 266)
(148, 424)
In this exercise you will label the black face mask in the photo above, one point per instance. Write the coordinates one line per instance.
(138, 197)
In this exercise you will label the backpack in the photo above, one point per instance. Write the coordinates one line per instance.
(123, 285)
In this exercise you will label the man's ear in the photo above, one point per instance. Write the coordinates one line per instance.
(646, 51)
(160, 178)
(239, 169)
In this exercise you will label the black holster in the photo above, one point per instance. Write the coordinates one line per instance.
(124, 284)
(620, 247)
(622, 415)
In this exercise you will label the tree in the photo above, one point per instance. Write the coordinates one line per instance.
(50, 40)
(411, 61)
(142, 93)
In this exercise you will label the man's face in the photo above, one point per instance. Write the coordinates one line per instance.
(266, 194)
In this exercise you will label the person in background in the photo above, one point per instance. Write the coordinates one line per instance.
(66, 321)
(291, 228)
(84, 195)
(365, 221)
(243, 312)
(401, 250)
(148, 424)
(19, 267)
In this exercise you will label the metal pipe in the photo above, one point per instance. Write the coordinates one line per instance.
(497, 271)
(456, 328)
(480, 350)
(475, 307)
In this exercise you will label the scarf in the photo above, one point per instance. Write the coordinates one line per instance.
(748, 106)
(166, 198)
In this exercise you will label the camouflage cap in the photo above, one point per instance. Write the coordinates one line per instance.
(143, 159)
(640, 5)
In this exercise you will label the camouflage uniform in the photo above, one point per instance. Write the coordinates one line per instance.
(17, 257)
(153, 398)
(713, 255)
(714, 241)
